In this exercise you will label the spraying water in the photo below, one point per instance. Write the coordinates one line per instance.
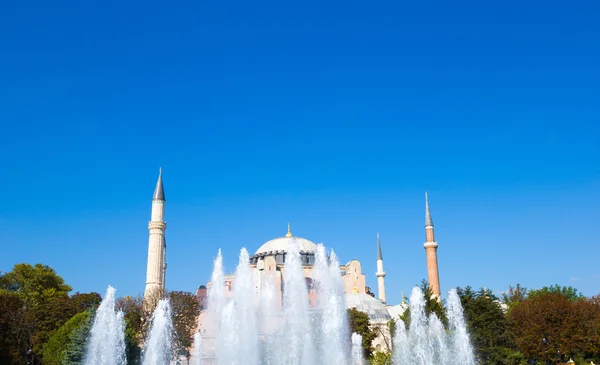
(107, 336)
(332, 305)
(158, 349)
(357, 350)
(197, 353)
(427, 342)
(460, 342)
(237, 339)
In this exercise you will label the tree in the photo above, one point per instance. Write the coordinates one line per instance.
(35, 284)
(571, 325)
(185, 310)
(489, 329)
(359, 323)
(566, 291)
(136, 319)
(67, 344)
(381, 358)
(514, 296)
(14, 336)
(85, 301)
(45, 305)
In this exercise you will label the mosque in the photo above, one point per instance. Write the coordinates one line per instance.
(269, 261)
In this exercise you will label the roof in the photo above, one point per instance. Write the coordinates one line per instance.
(159, 193)
(282, 243)
(375, 309)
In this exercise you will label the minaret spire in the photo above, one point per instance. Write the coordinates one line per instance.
(428, 220)
(157, 248)
(159, 192)
(380, 273)
(379, 255)
(431, 252)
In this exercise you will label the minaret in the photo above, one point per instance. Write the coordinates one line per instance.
(431, 251)
(157, 248)
(380, 273)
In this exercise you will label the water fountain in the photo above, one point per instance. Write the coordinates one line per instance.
(158, 348)
(106, 345)
(251, 326)
(426, 341)
(357, 350)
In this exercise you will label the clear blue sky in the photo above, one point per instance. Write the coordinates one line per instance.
(336, 117)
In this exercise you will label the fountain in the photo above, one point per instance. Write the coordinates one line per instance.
(255, 324)
(106, 345)
(357, 350)
(197, 354)
(158, 348)
(427, 342)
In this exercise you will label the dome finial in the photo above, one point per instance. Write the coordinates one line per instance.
(403, 301)
(354, 291)
(289, 233)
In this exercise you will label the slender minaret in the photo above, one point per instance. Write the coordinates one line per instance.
(431, 251)
(380, 273)
(157, 248)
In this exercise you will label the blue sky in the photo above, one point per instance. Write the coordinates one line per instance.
(336, 117)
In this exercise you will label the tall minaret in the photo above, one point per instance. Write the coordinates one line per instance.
(380, 273)
(431, 251)
(157, 248)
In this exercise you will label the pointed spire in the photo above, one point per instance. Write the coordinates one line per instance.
(428, 220)
(159, 193)
(403, 301)
(379, 255)
(289, 233)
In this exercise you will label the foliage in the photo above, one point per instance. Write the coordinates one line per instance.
(571, 325)
(185, 310)
(85, 301)
(14, 337)
(381, 358)
(489, 329)
(566, 291)
(514, 296)
(137, 318)
(55, 351)
(45, 307)
(359, 323)
(35, 284)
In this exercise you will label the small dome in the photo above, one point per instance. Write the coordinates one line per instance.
(365, 303)
(281, 244)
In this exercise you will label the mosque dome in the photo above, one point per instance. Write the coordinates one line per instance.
(280, 244)
(365, 303)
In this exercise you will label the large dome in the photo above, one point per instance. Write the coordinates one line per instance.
(365, 303)
(281, 244)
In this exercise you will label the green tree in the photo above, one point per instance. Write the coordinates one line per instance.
(381, 358)
(137, 318)
(67, 344)
(489, 329)
(35, 284)
(514, 296)
(566, 291)
(359, 323)
(46, 301)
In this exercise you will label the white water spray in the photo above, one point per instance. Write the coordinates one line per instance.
(158, 349)
(107, 336)
(357, 350)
